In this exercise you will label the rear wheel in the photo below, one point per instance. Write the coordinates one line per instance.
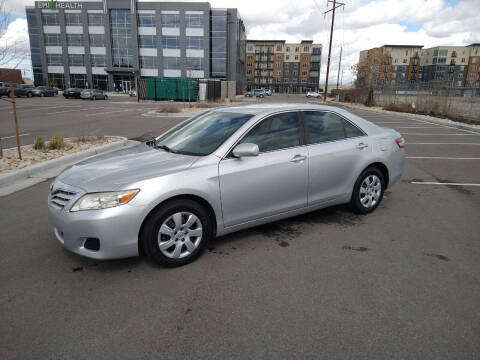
(176, 233)
(42, 94)
(105, 97)
(368, 191)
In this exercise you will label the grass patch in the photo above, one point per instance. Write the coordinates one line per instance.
(56, 143)
(39, 144)
(169, 108)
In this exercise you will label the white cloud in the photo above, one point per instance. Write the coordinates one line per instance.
(362, 24)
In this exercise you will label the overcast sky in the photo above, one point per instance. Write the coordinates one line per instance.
(362, 24)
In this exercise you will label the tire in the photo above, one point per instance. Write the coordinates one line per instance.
(93, 98)
(105, 97)
(177, 254)
(29, 95)
(42, 94)
(366, 197)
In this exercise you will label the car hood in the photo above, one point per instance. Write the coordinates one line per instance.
(115, 169)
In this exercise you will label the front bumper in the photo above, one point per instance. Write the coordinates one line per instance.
(116, 228)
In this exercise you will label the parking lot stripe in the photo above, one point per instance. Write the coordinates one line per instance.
(440, 158)
(413, 143)
(415, 127)
(111, 112)
(441, 183)
(9, 137)
(424, 134)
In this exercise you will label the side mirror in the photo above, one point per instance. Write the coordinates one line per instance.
(246, 149)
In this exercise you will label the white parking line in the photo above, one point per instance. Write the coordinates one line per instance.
(422, 134)
(441, 183)
(111, 112)
(413, 143)
(66, 111)
(45, 107)
(415, 127)
(440, 158)
(446, 126)
(9, 137)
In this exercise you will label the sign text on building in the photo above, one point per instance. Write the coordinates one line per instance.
(52, 4)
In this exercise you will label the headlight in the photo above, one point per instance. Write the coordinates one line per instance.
(104, 200)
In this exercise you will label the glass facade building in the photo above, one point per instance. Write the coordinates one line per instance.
(109, 43)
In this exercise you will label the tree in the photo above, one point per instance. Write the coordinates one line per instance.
(12, 51)
(373, 69)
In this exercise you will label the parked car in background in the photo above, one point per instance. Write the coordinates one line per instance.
(93, 94)
(314, 94)
(268, 92)
(257, 93)
(4, 88)
(133, 92)
(224, 170)
(72, 93)
(44, 91)
(21, 90)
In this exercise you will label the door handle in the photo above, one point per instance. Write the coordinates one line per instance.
(298, 158)
(362, 146)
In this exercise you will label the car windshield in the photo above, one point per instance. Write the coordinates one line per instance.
(203, 134)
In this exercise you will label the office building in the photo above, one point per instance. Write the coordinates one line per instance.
(107, 44)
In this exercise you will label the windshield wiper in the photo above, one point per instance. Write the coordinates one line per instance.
(164, 147)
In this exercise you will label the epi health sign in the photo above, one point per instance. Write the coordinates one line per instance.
(53, 4)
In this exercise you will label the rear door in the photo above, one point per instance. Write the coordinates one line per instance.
(336, 147)
(271, 183)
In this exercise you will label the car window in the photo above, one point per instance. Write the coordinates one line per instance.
(323, 126)
(203, 134)
(276, 132)
(351, 130)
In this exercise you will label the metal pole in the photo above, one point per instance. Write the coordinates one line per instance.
(339, 64)
(330, 46)
(12, 94)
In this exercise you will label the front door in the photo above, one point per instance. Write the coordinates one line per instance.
(271, 183)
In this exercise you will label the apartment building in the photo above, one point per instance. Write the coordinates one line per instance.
(106, 44)
(403, 65)
(283, 67)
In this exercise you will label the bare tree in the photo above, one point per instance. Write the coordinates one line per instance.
(12, 51)
(372, 70)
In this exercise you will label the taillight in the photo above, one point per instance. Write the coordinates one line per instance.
(400, 142)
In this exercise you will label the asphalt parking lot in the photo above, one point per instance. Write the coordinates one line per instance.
(400, 283)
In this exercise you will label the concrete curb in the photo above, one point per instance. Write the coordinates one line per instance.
(34, 170)
(410, 116)
(153, 113)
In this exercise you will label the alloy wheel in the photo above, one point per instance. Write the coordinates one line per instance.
(180, 235)
(370, 191)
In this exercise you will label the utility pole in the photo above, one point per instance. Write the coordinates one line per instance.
(12, 95)
(335, 6)
(339, 64)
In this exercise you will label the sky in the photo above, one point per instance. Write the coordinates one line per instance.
(359, 25)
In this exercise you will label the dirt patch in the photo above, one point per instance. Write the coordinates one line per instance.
(10, 161)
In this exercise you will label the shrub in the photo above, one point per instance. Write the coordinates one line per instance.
(39, 144)
(56, 143)
(169, 108)
(405, 107)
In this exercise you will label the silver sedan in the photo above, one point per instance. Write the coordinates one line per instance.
(224, 170)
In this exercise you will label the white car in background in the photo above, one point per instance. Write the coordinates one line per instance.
(314, 94)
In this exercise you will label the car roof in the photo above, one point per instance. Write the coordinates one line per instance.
(265, 108)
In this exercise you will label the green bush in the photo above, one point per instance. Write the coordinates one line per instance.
(56, 143)
(39, 144)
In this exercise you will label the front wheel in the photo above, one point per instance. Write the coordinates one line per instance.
(42, 94)
(176, 233)
(368, 191)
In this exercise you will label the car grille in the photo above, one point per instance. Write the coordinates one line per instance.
(59, 198)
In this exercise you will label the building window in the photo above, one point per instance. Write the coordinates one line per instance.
(73, 19)
(96, 19)
(474, 60)
(442, 52)
(74, 39)
(148, 62)
(288, 49)
(171, 42)
(249, 57)
(98, 60)
(287, 57)
(304, 73)
(279, 57)
(249, 72)
(296, 57)
(306, 49)
(473, 68)
(195, 42)
(194, 21)
(295, 73)
(286, 72)
(50, 19)
(249, 64)
(122, 38)
(279, 48)
(296, 49)
(277, 72)
(303, 81)
(146, 20)
(194, 64)
(250, 48)
(404, 61)
(317, 50)
(278, 64)
(52, 40)
(147, 41)
(171, 63)
(55, 59)
(441, 60)
(435, 52)
(97, 40)
(171, 20)
(305, 57)
(76, 60)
